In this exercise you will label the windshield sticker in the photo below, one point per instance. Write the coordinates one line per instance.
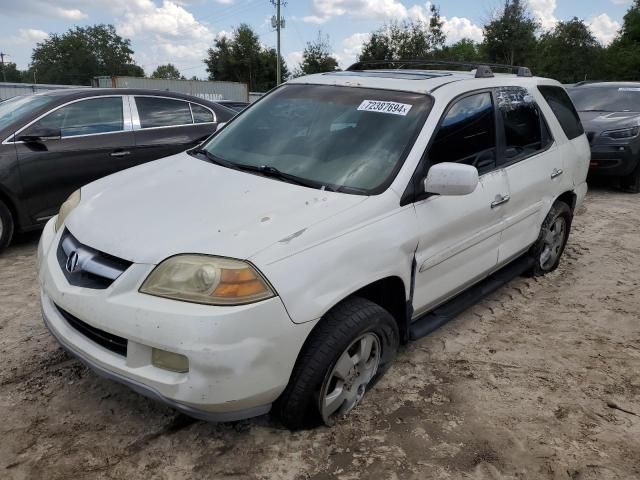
(379, 106)
(629, 89)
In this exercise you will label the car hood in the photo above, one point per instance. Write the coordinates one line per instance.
(181, 204)
(601, 121)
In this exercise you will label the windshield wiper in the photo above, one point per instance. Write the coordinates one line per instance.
(273, 172)
(213, 159)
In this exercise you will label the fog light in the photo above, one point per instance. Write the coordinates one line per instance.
(169, 360)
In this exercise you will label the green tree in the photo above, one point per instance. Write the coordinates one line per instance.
(81, 54)
(11, 73)
(510, 36)
(317, 57)
(569, 53)
(465, 50)
(623, 55)
(242, 58)
(168, 71)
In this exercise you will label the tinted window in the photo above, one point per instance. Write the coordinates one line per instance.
(467, 134)
(16, 108)
(201, 114)
(522, 122)
(349, 139)
(607, 98)
(563, 109)
(162, 112)
(86, 117)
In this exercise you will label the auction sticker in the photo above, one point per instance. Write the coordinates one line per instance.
(379, 106)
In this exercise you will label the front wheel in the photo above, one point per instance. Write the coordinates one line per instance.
(351, 348)
(6, 226)
(631, 183)
(548, 249)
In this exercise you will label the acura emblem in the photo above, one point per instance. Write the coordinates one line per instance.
(72, 262)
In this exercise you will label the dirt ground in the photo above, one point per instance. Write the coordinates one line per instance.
(529, 384)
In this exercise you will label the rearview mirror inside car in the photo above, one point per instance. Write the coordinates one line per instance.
(451, 179)
(40, 135)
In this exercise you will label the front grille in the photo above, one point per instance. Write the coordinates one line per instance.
(107, 340)
(590, 136)
(92, 268)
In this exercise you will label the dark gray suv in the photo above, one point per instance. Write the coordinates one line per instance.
(610, 114)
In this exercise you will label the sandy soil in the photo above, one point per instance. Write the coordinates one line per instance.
(529, 383)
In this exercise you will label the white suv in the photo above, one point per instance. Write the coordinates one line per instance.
(281, 264)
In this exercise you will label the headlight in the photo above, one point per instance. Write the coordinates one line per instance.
(66, 208)
(623, 133)
(207, 279)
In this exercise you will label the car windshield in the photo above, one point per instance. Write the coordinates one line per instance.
(606, 98)
(14, 108)
(343, 138)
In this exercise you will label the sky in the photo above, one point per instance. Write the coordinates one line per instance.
(181, 31)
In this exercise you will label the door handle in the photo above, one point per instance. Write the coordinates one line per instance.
(503, 199)
(556, 173)
(120, 153)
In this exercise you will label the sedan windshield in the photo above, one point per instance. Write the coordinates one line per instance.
(341, 138)
(606, 98)
(15, 108)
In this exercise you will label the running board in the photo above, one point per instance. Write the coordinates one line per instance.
(433, 320)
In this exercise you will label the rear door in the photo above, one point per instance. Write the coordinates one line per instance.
(96, 139)
(533, 165)
(165, 126)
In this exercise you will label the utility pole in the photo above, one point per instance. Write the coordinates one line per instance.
(4, 75)
(277, 22)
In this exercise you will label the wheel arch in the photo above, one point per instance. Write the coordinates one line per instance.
(11, 205)
(570, 198)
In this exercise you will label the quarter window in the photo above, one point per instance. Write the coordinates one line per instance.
(85, 117)
(201, 114)
(525, 132)
(467, 134)
(563, 109)
(162, 112)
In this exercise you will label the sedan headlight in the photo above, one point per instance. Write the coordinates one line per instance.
(66, 208)
(623, 133)
(207, 279)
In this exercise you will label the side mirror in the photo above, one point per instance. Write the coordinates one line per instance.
(38, 135)
(451, 179)
(220, 125)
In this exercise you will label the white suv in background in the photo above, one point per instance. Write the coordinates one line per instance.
(281, 264)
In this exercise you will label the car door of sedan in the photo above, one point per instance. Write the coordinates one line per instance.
(459, 236)
(165, 126)
(96, 139)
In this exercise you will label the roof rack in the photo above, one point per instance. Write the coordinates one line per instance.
(483, 70)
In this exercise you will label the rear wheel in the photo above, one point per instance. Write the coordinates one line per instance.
(631, 183)
(350, 349)
(553, 238)
(6, 226)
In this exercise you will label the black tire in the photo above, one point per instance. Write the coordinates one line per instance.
(559, 210)
(631, 183)
(6, 226)
(298, 406)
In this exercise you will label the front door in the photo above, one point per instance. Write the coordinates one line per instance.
(459, 236)
(93, 143)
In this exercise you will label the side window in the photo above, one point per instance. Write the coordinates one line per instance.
(525, 131)
(85, 117)
(162, 112)
(467, 134)
(562, 107)
(201, 114)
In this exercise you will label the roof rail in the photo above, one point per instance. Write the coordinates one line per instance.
(483, 70)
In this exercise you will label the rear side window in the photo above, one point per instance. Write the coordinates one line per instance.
(201, 114)
(162, 112)
(563, 109)
(467, 134)
(525, 131)
(85, 117)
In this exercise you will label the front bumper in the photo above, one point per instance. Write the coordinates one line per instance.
(613, 159)
(240, 358)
